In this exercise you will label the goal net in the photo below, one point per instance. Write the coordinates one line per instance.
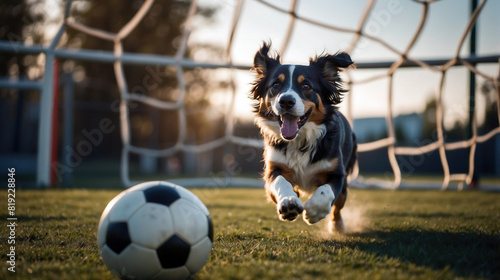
(401, 70)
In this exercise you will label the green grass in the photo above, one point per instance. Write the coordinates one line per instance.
(391, 235)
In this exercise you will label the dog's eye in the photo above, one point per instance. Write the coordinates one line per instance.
(306, 87)
(276, 85)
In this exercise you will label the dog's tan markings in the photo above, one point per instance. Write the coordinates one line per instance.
(281, 77)
(318, 112)
(301, 79)
(335, 163)
(338, 224)
(264, 109)
(321, 177)
(286, 171)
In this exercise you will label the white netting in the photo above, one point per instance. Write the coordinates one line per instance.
(404, 59)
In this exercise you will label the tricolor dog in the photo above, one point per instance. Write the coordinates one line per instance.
(309, 146)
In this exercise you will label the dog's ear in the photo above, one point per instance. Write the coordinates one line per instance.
(262, 62)
(262, 65)
(329, 67)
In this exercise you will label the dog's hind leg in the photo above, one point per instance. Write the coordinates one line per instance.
(337, 223)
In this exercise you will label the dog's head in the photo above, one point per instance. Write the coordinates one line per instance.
(292, 95)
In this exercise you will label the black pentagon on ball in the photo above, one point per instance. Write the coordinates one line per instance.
(173, 253)
(164, 195)
(117, 236)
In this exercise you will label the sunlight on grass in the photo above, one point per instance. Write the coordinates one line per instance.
(390, 235)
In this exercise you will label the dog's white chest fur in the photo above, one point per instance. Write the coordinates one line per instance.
(298, 156)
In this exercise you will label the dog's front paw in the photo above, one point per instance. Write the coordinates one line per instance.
(289, 208)
(319, 205)
(314, 214)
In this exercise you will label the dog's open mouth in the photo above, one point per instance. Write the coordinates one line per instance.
(290, 124)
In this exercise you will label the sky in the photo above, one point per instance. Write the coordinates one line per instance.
(394, 21)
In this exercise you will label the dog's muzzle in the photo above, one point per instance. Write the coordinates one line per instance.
(291, 124)
(289, 116)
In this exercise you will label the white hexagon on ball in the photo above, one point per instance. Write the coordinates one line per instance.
(152, 225)
(186, 194)
(126, 206)
(134, 254)
(199, 255)
(190, 222)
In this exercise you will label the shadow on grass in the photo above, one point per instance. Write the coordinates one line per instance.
(466, 253)
(465, 216)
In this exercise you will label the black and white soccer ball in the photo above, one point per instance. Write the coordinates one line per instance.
(155, 230)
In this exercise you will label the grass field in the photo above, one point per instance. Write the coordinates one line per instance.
(391, 235)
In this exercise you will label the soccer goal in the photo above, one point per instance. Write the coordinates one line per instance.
(417, 104)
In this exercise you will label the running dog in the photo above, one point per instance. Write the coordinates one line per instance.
(309, 146)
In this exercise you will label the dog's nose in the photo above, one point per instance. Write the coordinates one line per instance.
(287, 102)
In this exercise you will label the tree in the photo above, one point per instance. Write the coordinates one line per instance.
(489, 91)
(455, 133)
(19, 22)
(158, 33)
(430, 124)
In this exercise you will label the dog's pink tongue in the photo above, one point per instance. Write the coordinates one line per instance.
(289, 126)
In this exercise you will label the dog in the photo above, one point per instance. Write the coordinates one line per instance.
(309, 146)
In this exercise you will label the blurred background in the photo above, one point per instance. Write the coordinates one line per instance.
(89, 94)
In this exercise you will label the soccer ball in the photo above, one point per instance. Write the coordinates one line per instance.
(155, 230)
